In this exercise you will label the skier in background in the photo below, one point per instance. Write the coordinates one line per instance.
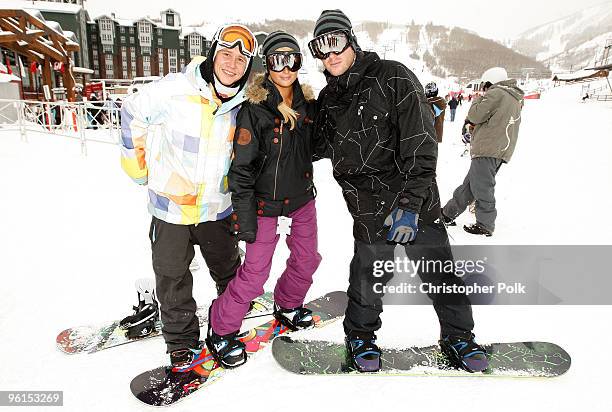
(377, 127)
(272, 193)
(438, 105)
(452, 105)
(496, 116)
(186, 173)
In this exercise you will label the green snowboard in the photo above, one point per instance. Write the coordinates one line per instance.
(517, 360)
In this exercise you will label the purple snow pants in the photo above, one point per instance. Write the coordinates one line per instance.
(229, 309)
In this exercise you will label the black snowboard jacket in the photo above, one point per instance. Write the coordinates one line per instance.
(271, 172)
(377, 128)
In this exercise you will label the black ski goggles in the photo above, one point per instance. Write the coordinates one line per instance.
(277, 61)
(333, 42)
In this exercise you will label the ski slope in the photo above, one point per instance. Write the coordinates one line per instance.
(74, 238)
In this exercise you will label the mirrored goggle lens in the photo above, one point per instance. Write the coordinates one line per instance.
(232, 35)
(322, 46)
(278, 61)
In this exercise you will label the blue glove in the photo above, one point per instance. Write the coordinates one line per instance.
(404, 226)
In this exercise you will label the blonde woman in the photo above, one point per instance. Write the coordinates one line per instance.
(272, 192)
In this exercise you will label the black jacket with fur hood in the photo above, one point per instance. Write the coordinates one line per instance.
(271, 172)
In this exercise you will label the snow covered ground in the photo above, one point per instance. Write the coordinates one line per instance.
(73, 238)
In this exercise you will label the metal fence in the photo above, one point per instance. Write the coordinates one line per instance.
(602, 93)
(91, 121)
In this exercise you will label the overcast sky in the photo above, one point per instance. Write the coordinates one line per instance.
(488, 18)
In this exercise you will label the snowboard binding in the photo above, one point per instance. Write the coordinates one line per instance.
(294, 319)
(362, 352)
(227, 350)
(146, 315)
(464, 353)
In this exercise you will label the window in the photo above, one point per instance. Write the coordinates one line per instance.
(194, 39)
(109, 66)
(159, 32)
(94, 46)
(95, 53)
(125, 75)
(124, 65)
(94, 37)
(172, 60)
(122, 39)
(160, 58)
(107, 48)
(170, 19)
(146, 65)
(182, 52)
(145, 50)
(182, 43)
(122, 29)
(159, 41)
(96, 65)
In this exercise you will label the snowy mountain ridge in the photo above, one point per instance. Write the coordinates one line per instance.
(572, 42)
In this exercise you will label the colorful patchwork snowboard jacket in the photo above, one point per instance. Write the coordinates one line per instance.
(177, 138)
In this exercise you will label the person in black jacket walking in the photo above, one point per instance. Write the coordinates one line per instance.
(272, 193)
(377, 128)
(452, 105)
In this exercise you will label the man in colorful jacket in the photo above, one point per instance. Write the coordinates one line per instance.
(177, 138)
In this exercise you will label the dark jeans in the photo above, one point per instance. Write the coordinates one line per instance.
(365, 304)
(172, 249)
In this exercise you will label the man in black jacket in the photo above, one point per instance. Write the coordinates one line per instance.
(376, 126)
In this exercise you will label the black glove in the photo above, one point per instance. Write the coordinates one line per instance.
(248, 237)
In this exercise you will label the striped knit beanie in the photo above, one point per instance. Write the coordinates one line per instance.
(277, 40)
(332, 20)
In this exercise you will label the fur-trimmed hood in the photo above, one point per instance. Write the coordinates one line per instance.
(258, 89)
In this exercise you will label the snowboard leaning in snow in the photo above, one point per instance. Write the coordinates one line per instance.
(89, 339)
(517, 359)
(163, 386)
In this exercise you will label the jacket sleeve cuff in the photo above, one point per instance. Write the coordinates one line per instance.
(409, 203)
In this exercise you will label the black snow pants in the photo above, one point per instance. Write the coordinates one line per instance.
(365, 300)
(173, 250)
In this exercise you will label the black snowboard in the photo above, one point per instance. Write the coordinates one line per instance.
(517, 359)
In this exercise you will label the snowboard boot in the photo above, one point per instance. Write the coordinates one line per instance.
(228, 350)
(463, 352)
(146, 315)
(362, 352)
(478, 229)
(295, 319)
(447, 220)
(182, 359)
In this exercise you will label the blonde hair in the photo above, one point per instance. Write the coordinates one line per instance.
(289, 115)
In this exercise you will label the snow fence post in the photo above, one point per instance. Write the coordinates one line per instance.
(20, 106)
(82, 126)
